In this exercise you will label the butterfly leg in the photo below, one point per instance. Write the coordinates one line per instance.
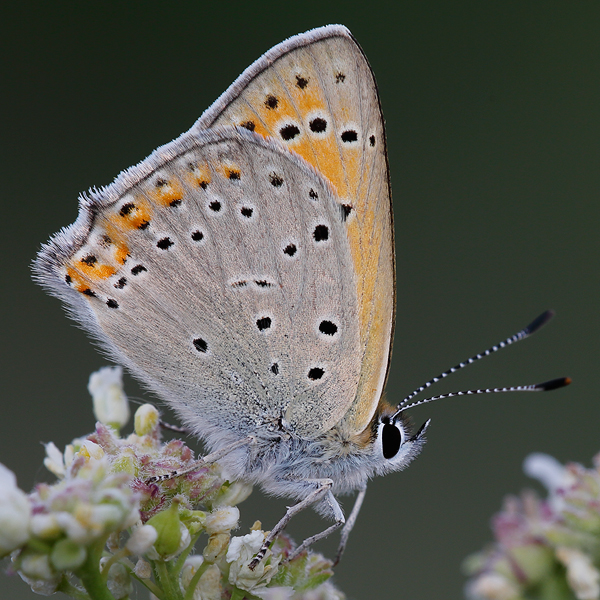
(205, 460)
(322, 492)
(339, 521)
(350, 524)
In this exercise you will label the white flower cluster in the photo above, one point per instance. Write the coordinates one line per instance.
(72, 519)
(108, 520)
(15, 513)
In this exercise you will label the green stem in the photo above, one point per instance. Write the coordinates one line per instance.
(39, 546)
(181, 560)
(189, 593)
(169, 584)
(89, 573)
(112, 560)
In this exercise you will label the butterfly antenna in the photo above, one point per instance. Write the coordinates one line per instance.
(534, 326)
(553, 384)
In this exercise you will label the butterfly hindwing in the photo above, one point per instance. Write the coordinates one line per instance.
(218, 271)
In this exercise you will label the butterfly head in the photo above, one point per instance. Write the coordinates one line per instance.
(393, 443)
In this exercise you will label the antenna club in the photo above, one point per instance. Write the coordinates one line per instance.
(554, 384)
(539, 322)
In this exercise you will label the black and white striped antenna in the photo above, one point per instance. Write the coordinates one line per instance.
(534, 326)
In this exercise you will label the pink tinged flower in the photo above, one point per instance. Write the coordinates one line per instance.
(15, 513)
(553, 475)
(582, 576)
(492, 586)
(110, 402)
(89, 503)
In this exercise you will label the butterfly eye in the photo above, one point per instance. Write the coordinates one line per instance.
(391, 440)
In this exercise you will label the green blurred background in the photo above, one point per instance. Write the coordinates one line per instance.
(494, 138)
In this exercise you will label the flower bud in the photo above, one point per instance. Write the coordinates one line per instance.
(217, 546)
(126, 462)
(54, 460)
(222, 520)
(233, 494)
(45, 526)
(141, 539)
(35, 565)
(146, 419)
(190, 567)
(209, 586)
(143, 569)
(172, 535)
(110, 402)
(90, 450)
(287, 593)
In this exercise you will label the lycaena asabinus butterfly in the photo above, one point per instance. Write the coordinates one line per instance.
(245, 273)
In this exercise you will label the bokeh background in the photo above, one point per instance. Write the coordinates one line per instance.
(494, 141)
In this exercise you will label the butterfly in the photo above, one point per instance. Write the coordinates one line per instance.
(245, 273)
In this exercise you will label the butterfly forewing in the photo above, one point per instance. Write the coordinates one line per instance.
(317, 95)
